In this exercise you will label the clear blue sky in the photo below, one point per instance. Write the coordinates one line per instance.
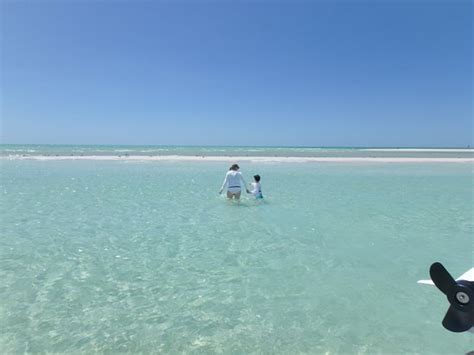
(321, 73)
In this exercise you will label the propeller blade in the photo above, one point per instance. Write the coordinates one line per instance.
(457, 321)
(441, 278)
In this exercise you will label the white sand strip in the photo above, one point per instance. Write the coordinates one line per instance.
(178, 158)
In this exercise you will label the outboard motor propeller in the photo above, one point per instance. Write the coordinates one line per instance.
(460, 294)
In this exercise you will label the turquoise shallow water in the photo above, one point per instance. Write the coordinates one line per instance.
(146, 257)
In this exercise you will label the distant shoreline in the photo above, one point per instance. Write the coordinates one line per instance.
(255, 159)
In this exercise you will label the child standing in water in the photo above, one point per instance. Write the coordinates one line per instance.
(257, 188)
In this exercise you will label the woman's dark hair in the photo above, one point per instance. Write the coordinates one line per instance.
(234, 167)
(257, 178)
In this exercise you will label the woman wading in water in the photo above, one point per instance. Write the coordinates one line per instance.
(234, 182)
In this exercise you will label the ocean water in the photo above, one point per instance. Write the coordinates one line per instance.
(16, 150)
(125, 256)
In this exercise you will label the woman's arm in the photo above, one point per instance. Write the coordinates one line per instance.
(244, 183)
(226, 181)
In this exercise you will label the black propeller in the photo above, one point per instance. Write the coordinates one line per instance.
(460, 294)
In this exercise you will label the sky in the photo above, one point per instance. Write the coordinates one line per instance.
(301, 73)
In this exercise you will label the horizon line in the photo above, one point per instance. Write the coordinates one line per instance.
(248, 146)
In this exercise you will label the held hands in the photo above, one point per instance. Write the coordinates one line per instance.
(220, 192)
(248, 191)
